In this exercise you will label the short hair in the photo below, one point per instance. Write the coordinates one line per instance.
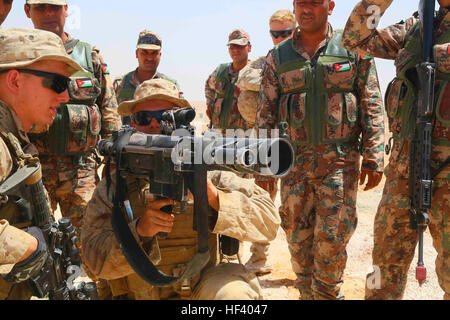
(283, 16)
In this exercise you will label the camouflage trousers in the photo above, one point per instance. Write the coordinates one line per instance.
(69, 184)
(318, 213)
(395, 242)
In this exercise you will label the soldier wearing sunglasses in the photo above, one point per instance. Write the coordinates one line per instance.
(229, 197)
(148, 54)
(33, 84)
(331, 100)
(282, 24)
(66, 148)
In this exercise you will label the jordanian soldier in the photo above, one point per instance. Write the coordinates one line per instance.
(395, 241)
(148, 54)
(230, 199)
(331, 100)
(34, 71)
(282, 24)
(66, 148)
(222, 96)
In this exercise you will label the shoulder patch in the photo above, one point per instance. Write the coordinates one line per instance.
(105, 68)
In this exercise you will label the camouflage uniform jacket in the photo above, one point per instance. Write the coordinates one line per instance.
(106, 101)
(389, 43)
(130, 80)
(369, 108)
(246, 213)
(215, 96)
(13, 242)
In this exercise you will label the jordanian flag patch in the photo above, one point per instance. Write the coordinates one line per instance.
(343, 66)
(84, 83)
(364, 57)
(105, 69)
(448, 50)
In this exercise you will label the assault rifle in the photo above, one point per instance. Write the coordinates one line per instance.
(173, 166)
(62, 266)
(421, 178)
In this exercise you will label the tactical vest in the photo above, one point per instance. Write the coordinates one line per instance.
(127, 90)
(226, 114)
(401, 93)
(77, 125)
(318, 100)
(176, 252)
(16, 213)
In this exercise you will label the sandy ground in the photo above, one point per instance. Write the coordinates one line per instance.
(280, 284)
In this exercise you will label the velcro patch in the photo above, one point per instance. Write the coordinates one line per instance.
(84, 83)
(365, 57)
(105, 69)
(343, 66)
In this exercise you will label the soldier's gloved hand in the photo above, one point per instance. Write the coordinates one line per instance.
(30, 266)
(374, 178)
(154, 220)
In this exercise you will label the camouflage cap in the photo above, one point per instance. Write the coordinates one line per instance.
(53, 2)
(21, 47)
(239, 37)
(155, 89)
(149, 40)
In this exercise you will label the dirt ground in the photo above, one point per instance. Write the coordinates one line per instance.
(280, 284)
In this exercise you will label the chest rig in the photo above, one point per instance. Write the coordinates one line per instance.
(401, 93)
(318, 98)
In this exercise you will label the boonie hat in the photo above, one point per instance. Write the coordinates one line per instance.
(20, 47)
(155, 89)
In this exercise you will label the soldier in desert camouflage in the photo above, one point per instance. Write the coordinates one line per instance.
(66, 148)
(331, 100)
(34, 70)
(282, 24)
(395, 241)
(148, 54)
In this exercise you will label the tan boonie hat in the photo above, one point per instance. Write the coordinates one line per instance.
(239, 37)
(155, 89)
(149, 40)
(53, 2)
(21, 47)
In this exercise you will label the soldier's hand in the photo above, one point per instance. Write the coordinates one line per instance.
(154, 220)
(373, 179)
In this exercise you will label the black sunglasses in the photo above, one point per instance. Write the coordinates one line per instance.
(53, 81)
(282, 33)
(144, 118)
(150, 40)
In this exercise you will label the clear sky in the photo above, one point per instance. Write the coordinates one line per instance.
(194, 33)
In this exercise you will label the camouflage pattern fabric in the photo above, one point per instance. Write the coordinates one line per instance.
(318, 198)
(395, 242)
(246, 213)
(70, 180)
(214, 104)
